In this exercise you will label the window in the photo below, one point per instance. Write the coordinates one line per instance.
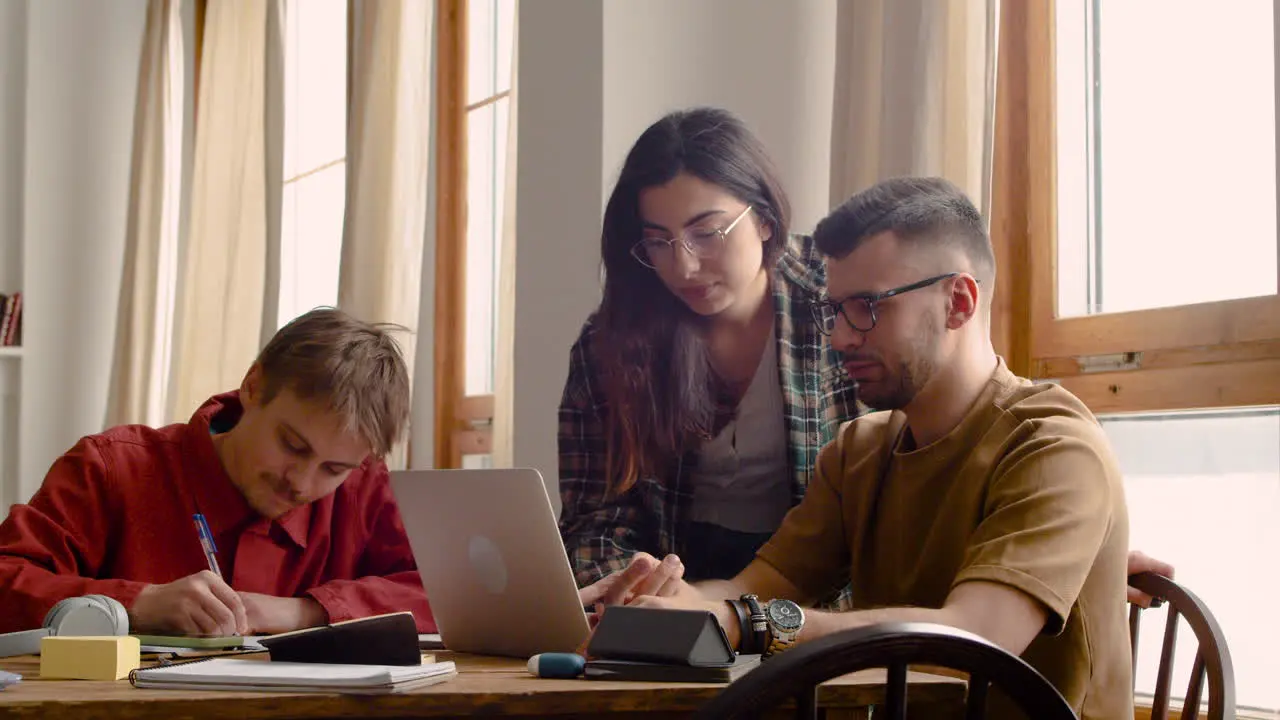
(1204, 490)
(1166, 175)
(315, 141)
(1152, 260)
(1138, 231)
(490, 29)
(477, 40)
(1134, 222)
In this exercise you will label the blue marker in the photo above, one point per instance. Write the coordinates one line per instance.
(206, 542)
(557, 665)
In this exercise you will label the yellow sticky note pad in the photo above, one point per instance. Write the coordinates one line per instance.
(88, 658)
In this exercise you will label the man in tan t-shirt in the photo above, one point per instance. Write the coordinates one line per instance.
(975, 499)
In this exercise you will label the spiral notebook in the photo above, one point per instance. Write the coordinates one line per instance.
(243, 674)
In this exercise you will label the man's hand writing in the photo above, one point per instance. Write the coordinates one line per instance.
(199, 604)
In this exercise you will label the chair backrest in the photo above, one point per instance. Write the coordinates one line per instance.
(1213, 659)
(796, 673)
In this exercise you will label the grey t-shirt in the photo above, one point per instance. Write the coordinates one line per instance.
(743, 481)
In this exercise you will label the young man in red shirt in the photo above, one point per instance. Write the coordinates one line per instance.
(286, 471)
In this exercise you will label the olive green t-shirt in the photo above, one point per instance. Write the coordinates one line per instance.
(1025, 491)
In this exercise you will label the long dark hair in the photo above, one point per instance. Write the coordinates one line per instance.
(662, 396)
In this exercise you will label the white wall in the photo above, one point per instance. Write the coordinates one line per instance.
(13, 78)
(82, 65)
(557, 211)
(770, 62)
(593, 75)
(422, 428)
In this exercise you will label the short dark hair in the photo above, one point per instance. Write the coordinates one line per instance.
(914, 209)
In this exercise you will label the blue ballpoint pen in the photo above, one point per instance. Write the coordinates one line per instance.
(206, 541)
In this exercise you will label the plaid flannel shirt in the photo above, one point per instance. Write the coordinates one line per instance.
(601, 533)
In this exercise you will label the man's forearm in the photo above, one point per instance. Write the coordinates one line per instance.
(28, 591)
(719, 589)
(1003, 615)
(375, 595)
(818, 623)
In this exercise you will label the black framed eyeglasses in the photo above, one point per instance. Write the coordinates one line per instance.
(701, 243)
(859, 311)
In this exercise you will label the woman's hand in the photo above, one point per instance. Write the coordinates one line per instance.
(643, 576)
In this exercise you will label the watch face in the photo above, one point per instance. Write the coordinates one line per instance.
(785, 614)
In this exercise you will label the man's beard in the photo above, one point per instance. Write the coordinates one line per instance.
(914, 371)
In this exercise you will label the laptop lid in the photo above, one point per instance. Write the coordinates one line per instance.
(491, 559)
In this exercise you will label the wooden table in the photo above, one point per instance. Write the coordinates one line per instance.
(484, 686)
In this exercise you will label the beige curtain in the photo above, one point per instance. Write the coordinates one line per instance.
(502, 450)
(234, 208)
(388, 140)
(140, 367)
(915, 93)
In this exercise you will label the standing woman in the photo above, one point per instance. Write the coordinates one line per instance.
(700, 391)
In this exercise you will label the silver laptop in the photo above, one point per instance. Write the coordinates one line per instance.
(491, 559)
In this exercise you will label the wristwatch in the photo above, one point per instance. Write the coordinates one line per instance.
(784, 619)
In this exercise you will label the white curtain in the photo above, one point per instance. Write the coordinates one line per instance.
(915, 93)
(140, 367)
(388, 166)
(235, 204)
(502, 448)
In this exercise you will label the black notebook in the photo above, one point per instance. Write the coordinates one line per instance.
(653, 645)
(390, 639)
(678, 637)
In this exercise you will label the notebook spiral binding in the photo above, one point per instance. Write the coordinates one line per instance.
(167, 663)
(164, 663)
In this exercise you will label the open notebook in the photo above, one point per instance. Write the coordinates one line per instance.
(243, 674)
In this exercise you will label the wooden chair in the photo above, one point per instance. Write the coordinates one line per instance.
(1213, 659)
(797, 672)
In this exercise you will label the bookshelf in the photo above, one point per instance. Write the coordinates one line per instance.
(11, 352)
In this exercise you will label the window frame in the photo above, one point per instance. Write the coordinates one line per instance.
(1211, 355)
(463, 424)
(1202, 355)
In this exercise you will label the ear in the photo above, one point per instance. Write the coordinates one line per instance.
(766, 229)
(962, 303)
(251, 386)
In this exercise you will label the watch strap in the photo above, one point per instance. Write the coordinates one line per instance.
(777, 645)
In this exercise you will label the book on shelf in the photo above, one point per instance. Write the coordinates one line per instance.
(11, 319)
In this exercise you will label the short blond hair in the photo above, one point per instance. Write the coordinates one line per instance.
(355, 367)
